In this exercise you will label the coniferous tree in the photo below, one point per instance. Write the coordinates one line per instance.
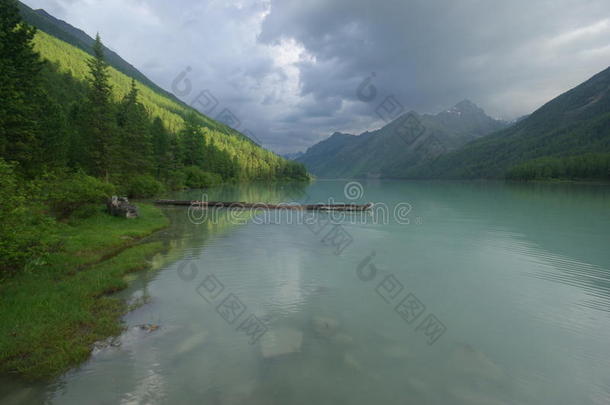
(193, 143)
(99, 123)
(78, 152)
(175, 176)
(54, 138)
(161, 149)
(136, 151)
(19, 81)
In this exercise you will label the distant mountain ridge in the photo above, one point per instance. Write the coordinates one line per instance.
(293, 156)
(576, 122)
(409, 141)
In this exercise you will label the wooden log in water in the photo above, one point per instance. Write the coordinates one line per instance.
(246, 205)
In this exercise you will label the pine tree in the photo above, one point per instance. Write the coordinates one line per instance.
(53, 134)
(175, 178)
(193, 143)
(161, 149)
(99, 122)
(19, 81)
(136, 153)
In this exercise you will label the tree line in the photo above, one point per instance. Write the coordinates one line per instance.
(593, 166)
(51, 121)
(67, 143)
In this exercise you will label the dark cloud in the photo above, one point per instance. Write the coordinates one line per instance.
(434, 53)
(290, 70)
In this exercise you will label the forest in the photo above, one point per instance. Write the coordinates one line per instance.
(73, 131)
(589, 166)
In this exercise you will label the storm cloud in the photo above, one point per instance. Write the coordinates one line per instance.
(292, 72)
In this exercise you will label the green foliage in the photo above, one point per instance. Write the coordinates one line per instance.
(53, 144)
(176, 180)
(98, 126)
(591, 166)
(575, 123)
(87, 211)
(19, 68)
(243, 161)
(193, 144)
(293, 170)
(65, 193)
(26, 235)
(79, 39)
(406, 142)
(194, 177)
(49, 319)
(136, 151)
(164, 156)
(143, 186)
(70, 115)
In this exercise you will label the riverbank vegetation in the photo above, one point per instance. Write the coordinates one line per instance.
(74, 131)
(52, 312)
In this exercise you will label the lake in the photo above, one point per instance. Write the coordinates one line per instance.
(447, 293)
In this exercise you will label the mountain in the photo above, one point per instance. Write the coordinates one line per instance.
(69, 48)
(573, 124)
(78, 38)
(293, 156)
(409, 141)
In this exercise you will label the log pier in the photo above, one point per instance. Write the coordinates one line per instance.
(246, 205)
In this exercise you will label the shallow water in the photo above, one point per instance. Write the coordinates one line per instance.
(508, 287)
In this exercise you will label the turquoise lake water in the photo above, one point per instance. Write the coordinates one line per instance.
(449, 293)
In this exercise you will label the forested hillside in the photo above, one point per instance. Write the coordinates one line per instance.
(408, 141)
(247, 160)
(565, 138)
(74, 130)
(78, 38)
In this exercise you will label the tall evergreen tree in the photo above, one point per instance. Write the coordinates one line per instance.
(99, 121)
(136, 151)
(53, 134)
(161, 148)
(19, 82)
(193, 143)
(175, 177)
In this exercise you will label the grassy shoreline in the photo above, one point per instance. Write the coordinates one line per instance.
(50, 319)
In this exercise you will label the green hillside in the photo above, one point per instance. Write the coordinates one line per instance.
(575, 124)
(255, 162)
(78, 38)
(406, 142)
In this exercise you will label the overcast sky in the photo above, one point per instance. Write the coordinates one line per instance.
(292, 71)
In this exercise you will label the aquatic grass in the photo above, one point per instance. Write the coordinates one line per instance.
(49, 319)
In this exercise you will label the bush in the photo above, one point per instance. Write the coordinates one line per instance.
(175, 180)
(87, 211)
(67, 193)
(26, 234)
(197, 178)
(144, 186)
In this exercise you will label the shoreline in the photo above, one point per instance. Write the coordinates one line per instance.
(50, 320)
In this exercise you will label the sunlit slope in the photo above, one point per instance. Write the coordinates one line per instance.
(250, 157)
